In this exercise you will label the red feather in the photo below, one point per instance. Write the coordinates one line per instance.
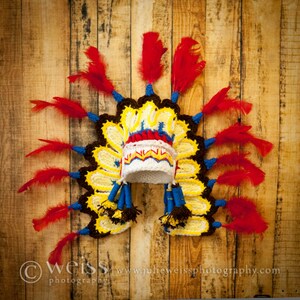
(246, 218)
(52, 215)
(44, 177)
(240, 160)
(96, 73)
(240, 207)
(67, 107)
(236, 104)
(238, 133)
(236, 177)
(233, 158)
(253, 224)
(55, 255)
(221, 102)
(40, 105)
(151, 67)
(52, 146)
(186, 67)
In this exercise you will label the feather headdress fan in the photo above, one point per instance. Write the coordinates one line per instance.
(150, 141)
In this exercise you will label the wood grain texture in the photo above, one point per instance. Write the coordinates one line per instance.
(159, 243)
(287, 225)
(260, 74)
(44, 61)
(12, 233)
(83, 33)
(149, 249)
(114, 42)
(185, 252)
(222, 53)
(252, 46)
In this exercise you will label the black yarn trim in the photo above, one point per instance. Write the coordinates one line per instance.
(193, 127)
(154, 98)
(203, 170)
(206, 193)
(83, 172)
(95, 233)
(128, 214)
(170, 104)
(85, 209)
(191, 134)
(199, 158)
(125, 103)
(103, 119)
(89, 152)
(211, 229)
(214, 208)
(200, 142)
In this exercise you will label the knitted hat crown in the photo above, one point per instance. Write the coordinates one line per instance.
(148, 154)
(150, 141)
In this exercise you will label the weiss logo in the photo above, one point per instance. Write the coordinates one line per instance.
(32, 271)
(83, 268)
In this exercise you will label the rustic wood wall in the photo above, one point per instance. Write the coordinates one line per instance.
(251, 44)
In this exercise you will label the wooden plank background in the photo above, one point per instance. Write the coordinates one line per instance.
(253, 45)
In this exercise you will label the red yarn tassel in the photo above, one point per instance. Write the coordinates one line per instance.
(44, 177)
(96, 73)
(221, 102)
(246, 218)
(67, 107)
(52, 215)
(186, 67)
(238, 133)
(52, 146)
(240, 160)
(151, 67)
(56, 255)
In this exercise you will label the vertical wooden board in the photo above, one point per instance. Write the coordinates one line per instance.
(148, 243)
(141, 22)
(260, 75)
(186, 252)
(162, 23)
(159, 245)
(222, 54)
(287, 241)
(114, 44)
(44, 67)
(189, 21)
(12, 233)
(83, 18)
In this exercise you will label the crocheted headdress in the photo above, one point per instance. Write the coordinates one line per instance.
(150, 141)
